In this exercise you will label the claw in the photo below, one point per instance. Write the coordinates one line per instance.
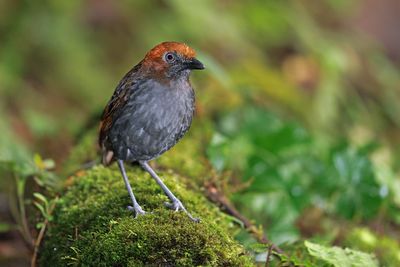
(177, 205)
(173, 206)
(137, 210)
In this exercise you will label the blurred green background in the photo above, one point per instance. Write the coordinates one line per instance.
(304, 97)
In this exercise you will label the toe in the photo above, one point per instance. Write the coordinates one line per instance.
(138, 211)
(196, 220)
(168, 205)
(176, 206)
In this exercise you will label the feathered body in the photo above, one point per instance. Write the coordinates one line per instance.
(149, 112)
(151, 108)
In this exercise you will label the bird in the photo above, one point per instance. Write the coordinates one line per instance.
(149, 112)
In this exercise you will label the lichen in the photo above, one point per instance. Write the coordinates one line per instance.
(92, 226)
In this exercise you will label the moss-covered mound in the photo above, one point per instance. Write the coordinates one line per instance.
(92, 226)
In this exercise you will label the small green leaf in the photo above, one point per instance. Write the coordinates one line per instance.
(49, 164)
(340, 257)
(259, 247)
(40, 197)
(41, 208)
(37, 159)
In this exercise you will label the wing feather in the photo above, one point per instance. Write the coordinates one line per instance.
(114, 108)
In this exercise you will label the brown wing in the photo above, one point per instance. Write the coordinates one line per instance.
(112, 110)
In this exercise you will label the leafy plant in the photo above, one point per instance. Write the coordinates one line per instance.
(288, 172)
(24, 173)
(340, 257)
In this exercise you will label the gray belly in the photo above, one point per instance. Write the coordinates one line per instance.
(151, 123)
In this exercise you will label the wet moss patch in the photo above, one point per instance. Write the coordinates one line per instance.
(92, 227)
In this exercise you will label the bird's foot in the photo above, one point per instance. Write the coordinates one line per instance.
(137, 210)
(177, 205)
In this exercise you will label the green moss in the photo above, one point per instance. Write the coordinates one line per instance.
(92, 226)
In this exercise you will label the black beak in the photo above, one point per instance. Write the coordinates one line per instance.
(194, 64)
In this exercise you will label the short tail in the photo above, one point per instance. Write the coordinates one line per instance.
(107, 157)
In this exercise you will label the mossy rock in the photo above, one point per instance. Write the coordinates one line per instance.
(92, 226)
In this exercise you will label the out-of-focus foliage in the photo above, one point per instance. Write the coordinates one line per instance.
(60, 61)
(305, 96)
(296, 187)
(386, 247)
(339, 257)
(288, 172)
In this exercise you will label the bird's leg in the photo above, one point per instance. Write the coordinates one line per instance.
(136, 207)
(176, 203)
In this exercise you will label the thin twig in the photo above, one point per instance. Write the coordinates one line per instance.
(37, 243)
(216, 196)
(21, 210)
(268, 260)
(40, 236)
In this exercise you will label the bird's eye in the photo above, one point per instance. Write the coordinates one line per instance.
(169, 57)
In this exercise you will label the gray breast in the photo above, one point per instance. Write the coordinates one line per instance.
(153, 120)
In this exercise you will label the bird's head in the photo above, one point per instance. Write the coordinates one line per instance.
(172, 60)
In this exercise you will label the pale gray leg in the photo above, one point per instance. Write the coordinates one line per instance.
(136, 207)
(176, 203)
